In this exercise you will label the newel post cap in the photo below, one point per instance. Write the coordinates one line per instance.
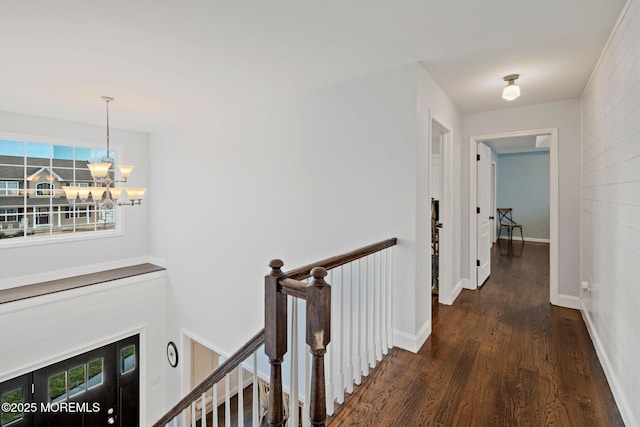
(318, 274)
(276, 264)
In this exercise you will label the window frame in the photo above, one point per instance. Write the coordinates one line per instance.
(6, 215)
(46, 190)
(5, 189)
(118, 152)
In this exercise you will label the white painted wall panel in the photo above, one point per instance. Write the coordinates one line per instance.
(40, 331)
(610, 206)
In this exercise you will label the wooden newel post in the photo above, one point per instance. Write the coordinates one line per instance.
(318, 337)
(275, 339)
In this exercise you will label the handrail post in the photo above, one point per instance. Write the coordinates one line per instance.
(275, 343)
(318, 337)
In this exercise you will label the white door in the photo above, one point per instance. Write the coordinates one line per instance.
(483, 213)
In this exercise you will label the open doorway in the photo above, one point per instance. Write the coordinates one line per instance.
(200, 361)
(441, 213)
(436, 190)
(515, 144)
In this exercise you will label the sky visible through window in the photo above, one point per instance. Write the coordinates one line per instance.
(43, 151)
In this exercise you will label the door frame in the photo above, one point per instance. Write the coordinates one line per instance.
(553, 204)
(494, 197)
(447, 289)
(484, 150)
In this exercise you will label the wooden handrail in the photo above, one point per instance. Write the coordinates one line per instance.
(304, 272)
(225, 368)
(295, 288)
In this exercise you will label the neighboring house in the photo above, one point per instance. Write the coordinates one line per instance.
(32, 200)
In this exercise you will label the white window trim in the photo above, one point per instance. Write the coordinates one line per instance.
(5, 188)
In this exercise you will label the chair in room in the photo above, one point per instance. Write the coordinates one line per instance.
(505, 219)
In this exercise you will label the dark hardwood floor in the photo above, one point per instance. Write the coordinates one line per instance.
(500, 356)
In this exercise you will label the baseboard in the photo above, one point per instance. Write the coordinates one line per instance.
(409, 342)
(527, 239)
(466, 284)
(616, 389)
(569, 301)
(457, 289)
(70, 272)
(447, 298)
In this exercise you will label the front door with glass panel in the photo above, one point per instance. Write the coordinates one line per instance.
(96, 388)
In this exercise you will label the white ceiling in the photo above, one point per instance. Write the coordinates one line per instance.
(167, 60)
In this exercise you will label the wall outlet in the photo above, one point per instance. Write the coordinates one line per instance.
(586, 286)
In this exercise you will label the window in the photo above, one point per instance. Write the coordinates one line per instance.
(32, 200)
(58, 387)
(94, 373)
(45, 189)
(127, 359)
(12, 397)
(76, 212)
(9, 188)
(8, 215)
(77, 381)
(42, 217)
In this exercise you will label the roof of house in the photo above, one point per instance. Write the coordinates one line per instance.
(12, 169)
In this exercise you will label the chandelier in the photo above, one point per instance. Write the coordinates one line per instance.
(103, 192)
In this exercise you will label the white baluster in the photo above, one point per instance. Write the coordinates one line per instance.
(338, 339)
(383, 308)
(294, 396)
(183, 418)
(227, 400)
(329, 357)
(203, 410)
(379, 309)
(255, 403)
(306, 422)
(348, 324)
(390, 297)
(357, 364)
(193, 414)
(365, 316)
(214, 399)
(240, 398)
(372, 314)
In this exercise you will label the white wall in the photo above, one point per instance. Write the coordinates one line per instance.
(523, 185)
(40, 262)
(565, 115)
(298, 179)
(611, 211)
(40, 331)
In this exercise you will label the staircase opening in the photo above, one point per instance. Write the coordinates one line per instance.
(337, 310)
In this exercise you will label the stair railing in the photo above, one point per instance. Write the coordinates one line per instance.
(361, 330)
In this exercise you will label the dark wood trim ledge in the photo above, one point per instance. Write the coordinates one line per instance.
(60, 285)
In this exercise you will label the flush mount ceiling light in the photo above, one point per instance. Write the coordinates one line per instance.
(103, 192)
(512, 91)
